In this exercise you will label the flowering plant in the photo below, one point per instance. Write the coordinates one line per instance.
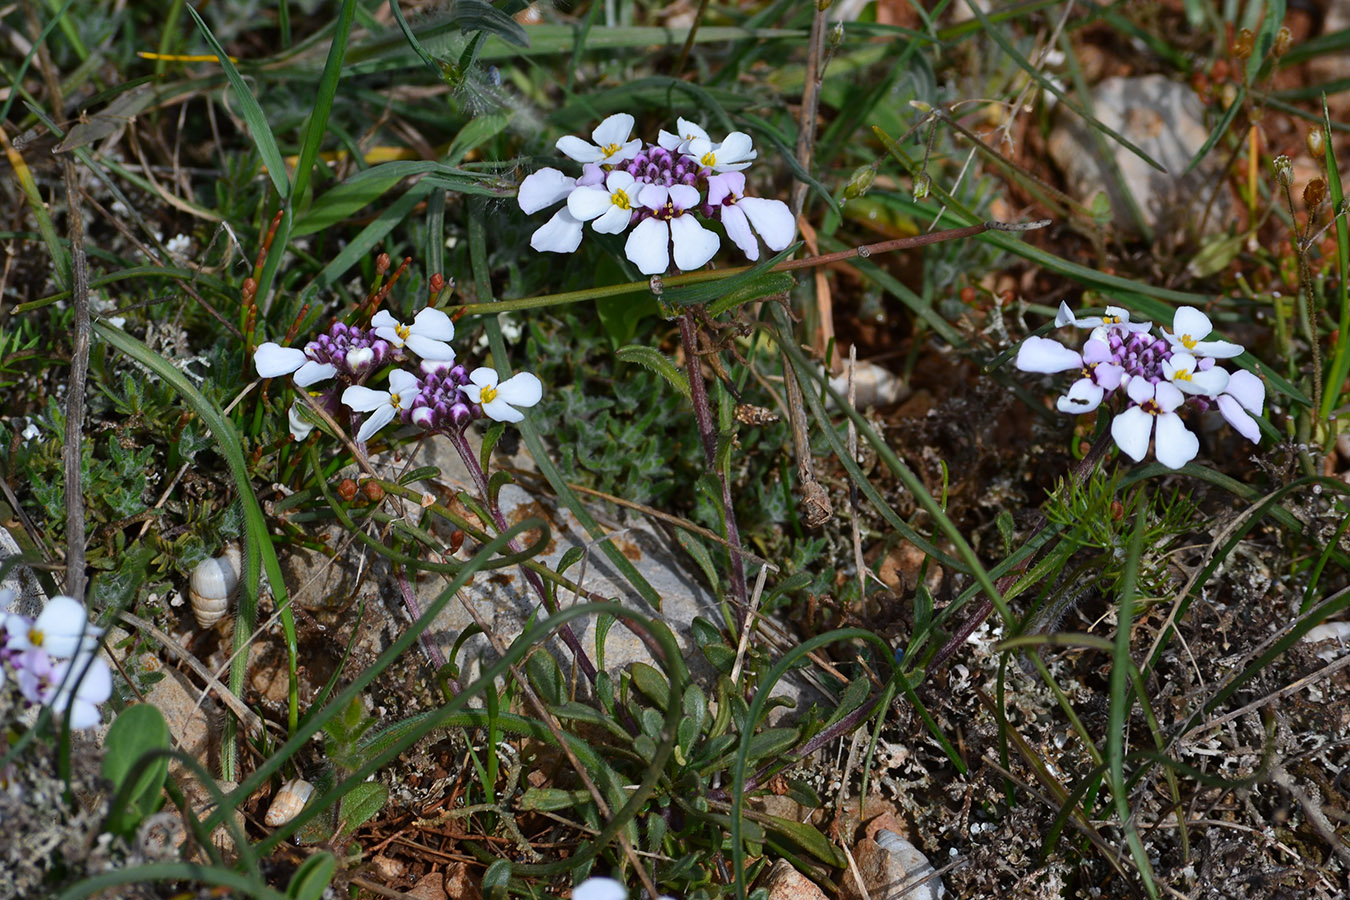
(664, 192)
(1159, 375)
(53, 659)
(442, 395)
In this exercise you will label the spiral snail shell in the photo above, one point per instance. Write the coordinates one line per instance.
(288, 802)
(213, 584)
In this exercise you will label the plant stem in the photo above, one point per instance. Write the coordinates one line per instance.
(415, 612)
(707, 431)
(569, 637)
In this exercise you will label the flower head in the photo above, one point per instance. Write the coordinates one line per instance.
(609, 209)
(80, 684)
(1243, 397)
(649, 244)
(382, 405)
(1175, 445)
(426, 336)
(1116, 317)
(771, 219)
(500, 399)
(1190, 327)
(273, 360)
(61, 630)
(611, 142)
(1183, 370)
(737, 152)
(679, 143)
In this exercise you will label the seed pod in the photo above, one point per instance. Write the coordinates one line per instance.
(346, 489)
(288, 802)
(1316, 142)
(373, 491)
(1314, 192)
(213, 584)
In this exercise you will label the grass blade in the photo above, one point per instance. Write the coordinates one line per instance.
(317, 126)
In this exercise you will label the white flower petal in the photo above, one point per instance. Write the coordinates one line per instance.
(772, 219)
(737, 228)
(300, 426)
(1218, 349)
(384, 319)
(378, 419)
(694, 244)
(273, 360)
(484, 376)
(1140, 390)
(684, 196)
(427, 348)
(648, 246)
(1044, 355)
(586, 203)
(1175, 446)
(542, 189)
(500, 411)
(1083, 397)
(313, 372)
(613, 130)
(1243, 423)
(521, 389)
(401, 382)
(574, 147)
(654, 196)
(363, 399)
(1191, 323)
(1167, 396)
(1131, 431)
(560, 234)
(614, 221)
(433, 323)
(600, 889)
(1248, 390)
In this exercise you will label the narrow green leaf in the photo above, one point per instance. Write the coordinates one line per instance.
(658, 362)
(361, 804)
(317, 126)
(1340, 362)
(312, 877)
(809, 838)
(251, 111)
(651, 683)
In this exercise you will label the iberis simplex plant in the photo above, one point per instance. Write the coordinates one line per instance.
(663, 192)
(1157, 375)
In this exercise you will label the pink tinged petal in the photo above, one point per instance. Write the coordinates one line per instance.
(300, 426)
(542, 189)
(738, 229)
(684, 196)
(378, 419)
(1095, 351)
(614, 129)
(1248, 390)
(614, 221)
(1038, 354)
(1065, 316)
(591, 175)
(772, 219)
(313, 372)
(521, 389)
(720, 188)
(1084, 396)
(1131, 431)
(422, 416)
(1109, 375)
(694, 244)
(587, 203)
(363, 399)
(1244, 424)
(654, 196)
(427, 348)
(574, 147)
(1218, 349)
(648, 246)
(1140, 390)
(273, 360)
(560, 234)
(1175, 446)
(433, 323)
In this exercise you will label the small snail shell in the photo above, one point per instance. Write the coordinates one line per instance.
(288, 802)
(213, 584)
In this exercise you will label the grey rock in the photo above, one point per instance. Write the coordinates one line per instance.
(1166, 120)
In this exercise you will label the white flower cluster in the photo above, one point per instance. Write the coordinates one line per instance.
(444, 395)
(1159, 375)
(663, 192)
(54, 659)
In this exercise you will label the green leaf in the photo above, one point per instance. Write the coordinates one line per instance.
(546, 678)
(620, 316)
(651, 683)
(138, 731)
(550, 799)
(251, 111)
(476, 133)
(496, 880)
(312, 877)
(658, 362)
(766, 285)
(808, 838)
(361, 804)
(317, 126)
(699, 553)
(771, 742)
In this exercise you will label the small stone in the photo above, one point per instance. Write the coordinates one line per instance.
(892, 868)
(785, 883)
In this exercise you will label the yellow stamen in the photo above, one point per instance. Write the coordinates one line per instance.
(709, 159)
(620, 199)
(487, 396)
(610, 149)
(402, 331)
(1188, 341)
(35, 637)
(394, 401)
(1182, 375)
